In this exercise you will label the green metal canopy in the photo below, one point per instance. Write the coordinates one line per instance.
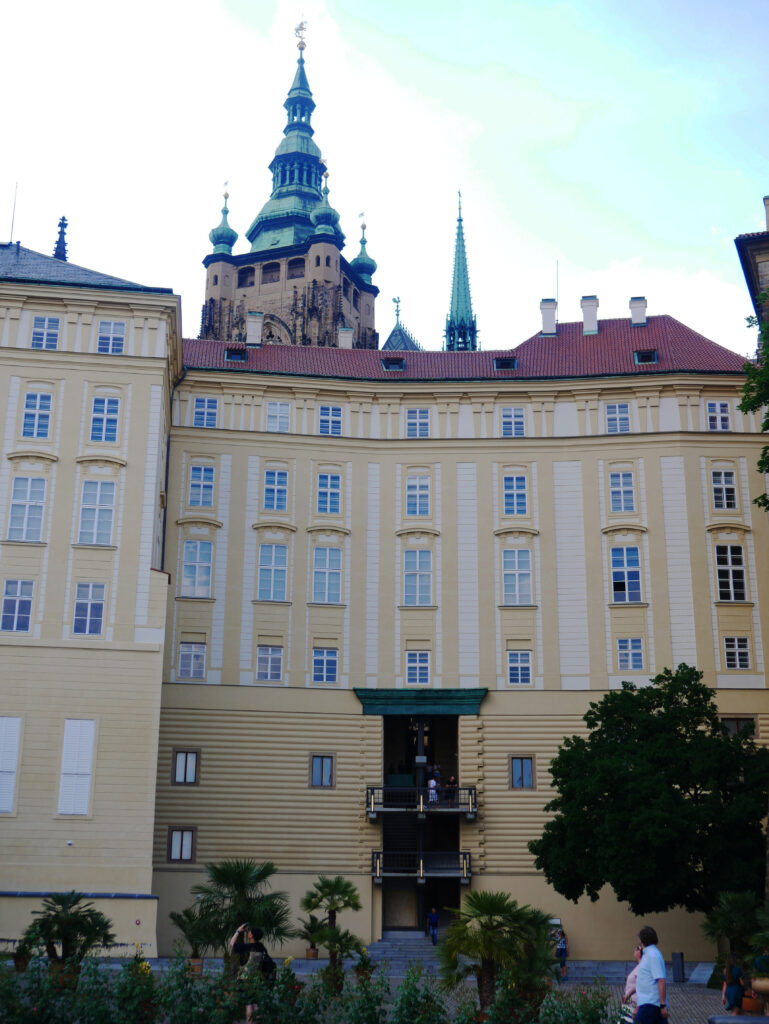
(421, 702)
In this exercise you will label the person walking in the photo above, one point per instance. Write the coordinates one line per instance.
(651, 981)
(432, 925)
(734, 983)
(629, 997)
(562, 951)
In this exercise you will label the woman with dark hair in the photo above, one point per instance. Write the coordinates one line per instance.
(629, 997)
(731, 991)
(246, 944)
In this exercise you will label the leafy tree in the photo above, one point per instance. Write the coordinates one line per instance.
(755, 391)
(489, 934)
(76, 926)
(658, 801)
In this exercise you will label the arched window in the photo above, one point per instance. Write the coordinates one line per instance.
(346, 289)
(296, 268)
(270, 273)
(356, 299)
(216, 279)
(317, 261)
(246, 277)
(328, 261)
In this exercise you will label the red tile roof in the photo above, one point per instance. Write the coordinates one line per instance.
(569, 354)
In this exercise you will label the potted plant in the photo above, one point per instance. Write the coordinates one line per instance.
(194, 927)
(22, 954)
(311, 927)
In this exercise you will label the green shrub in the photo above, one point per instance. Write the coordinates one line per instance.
(588, 1004)
(418, 1001)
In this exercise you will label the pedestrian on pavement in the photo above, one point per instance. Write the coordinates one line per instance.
(562, 951)
(734, 983)
(629, 997)
(651, 981)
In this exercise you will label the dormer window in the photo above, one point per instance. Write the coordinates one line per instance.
(393, 363)
(235, 355)
(505, 363)
(645, 355)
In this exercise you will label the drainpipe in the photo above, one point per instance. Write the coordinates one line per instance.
(176, 384)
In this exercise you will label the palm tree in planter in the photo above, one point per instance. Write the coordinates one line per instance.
(75, 926)
(491, 933)
(197, 931)
(311, 928)
(237, 891)
(331, 895)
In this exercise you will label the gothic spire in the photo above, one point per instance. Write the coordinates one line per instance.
(60, 251)
(461, 331)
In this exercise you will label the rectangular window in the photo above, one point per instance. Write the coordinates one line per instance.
(330, 420)
(45, 332)
(269, 664)
(204, 412)
(630, 654)
(325, 664)
(37, 414)
(519, 668)
(89, 609)
(513, 422)
(625, 575)
(275, 490)
(327, 575)
(10, 739)
(621, 492)
(418, 668)
(278, 417)
(111, 337)
(737, 650)
(514, 494)
(516, 576)
(201, 486)
(329, 493)
(718, 416)
(76, 766)
(197, 558)
(724, 490)
(417, 423)
(739, 726)
(181, 844)
(104, 416)
(417, 495)
(417, 577)
(522, 772)
(17, 606)
(730, 569)
(185, 772)
(322, 771)
(96, 511)
(273, 568)
(618, 418)
(27, 500)
(192, 661)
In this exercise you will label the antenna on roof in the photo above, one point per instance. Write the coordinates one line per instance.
(556, 291)
(13, 215)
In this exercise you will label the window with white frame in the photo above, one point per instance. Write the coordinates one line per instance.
(522, 773)
(181, 845)
(515, 501)
(192, 661)
(278, 414)
(273, 570)
(186, 767)
(26, 516)
(96, 511)
(519, 668)
(204, 412)
(330, 420)
(719, 417)
(630, 655)
(322, 771)
(325, 665)
(513, 421)
(724, 489)
(17, 606)
(329, 493)
(10, 740)
(89, 609)
(327, 575)
(37, 414)
(516, 576)
(45, 332)
(617, 418)
(417, 423)
(275, 490)
(76, 766)
(621, 491)
(111, 337)
(104, 418)
(418, 668)
(201, 486)
(417, 495)
(737, 651)
(625, 575)
(730, 572)
(269, 664)
(417, 577)
(197, 559)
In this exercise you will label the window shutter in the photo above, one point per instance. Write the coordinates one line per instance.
(76, 763)
(10, 734)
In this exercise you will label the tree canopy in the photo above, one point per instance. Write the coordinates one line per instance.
(658, 801)
(755, 392)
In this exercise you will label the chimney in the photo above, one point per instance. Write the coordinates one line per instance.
(638, 311)
(766, 207)
(344, 337)
(589, 306)
(549, 309)
(254, 324)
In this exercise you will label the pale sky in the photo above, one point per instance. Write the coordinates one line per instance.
(627, 141)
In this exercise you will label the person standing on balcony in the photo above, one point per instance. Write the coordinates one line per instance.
(432, 791)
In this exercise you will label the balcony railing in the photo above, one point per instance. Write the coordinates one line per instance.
(420, 865)
(423, 801)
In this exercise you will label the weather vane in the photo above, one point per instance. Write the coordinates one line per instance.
(397, 301)
(299, 32)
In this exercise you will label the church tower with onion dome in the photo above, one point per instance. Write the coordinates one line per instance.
(292, 286)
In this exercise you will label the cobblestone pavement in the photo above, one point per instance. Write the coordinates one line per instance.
(688, 1004)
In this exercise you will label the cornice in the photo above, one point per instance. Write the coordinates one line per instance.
(115, 460)
(201, 520)
(31, 453)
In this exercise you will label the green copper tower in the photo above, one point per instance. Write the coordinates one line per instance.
(461, 333)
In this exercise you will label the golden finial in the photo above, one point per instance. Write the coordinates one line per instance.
(299, 32)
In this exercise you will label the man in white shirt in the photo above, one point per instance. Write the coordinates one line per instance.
(651, 981)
